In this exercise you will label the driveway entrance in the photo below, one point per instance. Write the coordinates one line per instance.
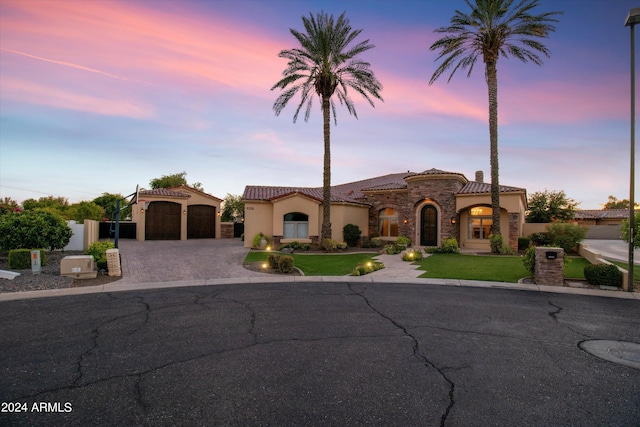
(177, 260)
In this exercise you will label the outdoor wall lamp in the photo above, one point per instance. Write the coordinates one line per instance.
(184, 212)
(141, 210)
(453, 220)
(405, 221)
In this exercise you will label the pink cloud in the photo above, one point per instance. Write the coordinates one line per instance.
(132, 41)
(35, 93)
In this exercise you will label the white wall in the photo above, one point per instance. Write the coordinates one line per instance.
(77, 239)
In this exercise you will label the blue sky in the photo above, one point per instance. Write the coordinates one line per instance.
(102, 96)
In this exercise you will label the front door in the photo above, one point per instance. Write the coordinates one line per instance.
(429, 226)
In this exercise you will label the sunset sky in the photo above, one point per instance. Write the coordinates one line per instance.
(100, 96)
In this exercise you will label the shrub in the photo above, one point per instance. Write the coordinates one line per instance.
(448, 246)
(258, 238)
(297, 246)
(272, 260)
(351, 234)
(374, 242)
(34, 229)
(603, 275)
(20, 259)
(403, 241)
(523, 243)
(392, 249)
(565, 236)
(412, 255)
(369, 267)
(540, 239)
(498, 246)
(99, 252)
(329, 245)
(285, 264)
(529, 259)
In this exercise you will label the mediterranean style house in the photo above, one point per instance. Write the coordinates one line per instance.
(176, 213)
(427, 207)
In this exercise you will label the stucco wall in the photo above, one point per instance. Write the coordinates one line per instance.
(342, 215)
(300, 204)
(481, 244)
(258, 217)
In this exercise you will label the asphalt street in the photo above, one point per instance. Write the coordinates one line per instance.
(339, 354)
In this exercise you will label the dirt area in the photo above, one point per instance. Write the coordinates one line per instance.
(50, 277)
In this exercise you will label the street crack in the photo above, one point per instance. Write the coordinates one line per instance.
(417, 354)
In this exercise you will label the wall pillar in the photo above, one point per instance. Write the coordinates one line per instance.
(549, 266)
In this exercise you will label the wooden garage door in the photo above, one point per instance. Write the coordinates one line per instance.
(162, 221)
(201, 222)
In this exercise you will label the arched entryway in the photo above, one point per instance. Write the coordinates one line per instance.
(428, 226)
(162, 221)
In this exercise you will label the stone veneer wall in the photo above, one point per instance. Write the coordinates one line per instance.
(442, 193)
(226, 230)
(513, 231)
(396, 200)
(549, 272)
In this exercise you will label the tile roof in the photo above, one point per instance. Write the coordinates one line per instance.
(353, 192)
(602, 214)
(254, 192)
(474, 187)
(163, 192)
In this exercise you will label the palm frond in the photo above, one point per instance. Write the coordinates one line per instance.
(327, 58)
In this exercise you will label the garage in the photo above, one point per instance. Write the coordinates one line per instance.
(162, 221)
(201, 222)
(176, 213)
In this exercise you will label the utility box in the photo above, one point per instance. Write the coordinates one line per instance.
(36, 262)
(78, 267)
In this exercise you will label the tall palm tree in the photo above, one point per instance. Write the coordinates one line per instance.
(494, 28)
(326, 64)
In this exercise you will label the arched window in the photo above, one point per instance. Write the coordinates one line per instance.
(480, 222)
(388, 222)
(296, 226)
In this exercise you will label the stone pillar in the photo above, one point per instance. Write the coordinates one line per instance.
(549, 266)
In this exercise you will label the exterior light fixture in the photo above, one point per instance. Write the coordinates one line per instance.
(453, 220)
(633, 17)
(184, 212)
(405, 221)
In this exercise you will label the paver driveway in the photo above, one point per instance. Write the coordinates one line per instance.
(178, 260)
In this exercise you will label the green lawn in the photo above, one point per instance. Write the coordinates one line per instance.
(490, 268)
(625, 265)
(443, 266)
(319, 265)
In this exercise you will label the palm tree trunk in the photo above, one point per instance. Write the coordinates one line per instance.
(326, 178)
(492, 83)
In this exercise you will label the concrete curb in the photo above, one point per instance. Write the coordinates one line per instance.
(370, 278)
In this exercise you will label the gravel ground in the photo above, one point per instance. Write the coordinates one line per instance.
(49, 278)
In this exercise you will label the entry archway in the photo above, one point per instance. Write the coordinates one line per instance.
(429, 226)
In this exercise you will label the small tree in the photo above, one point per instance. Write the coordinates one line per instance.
(549, 206)
(108, 202)
(85, 210)
(565, 236)
(614, 203)
(56, 205)
(351, 234)
(34, 229)
(624, 230)
(232, 208)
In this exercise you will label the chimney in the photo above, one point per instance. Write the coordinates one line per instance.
(479, 176)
